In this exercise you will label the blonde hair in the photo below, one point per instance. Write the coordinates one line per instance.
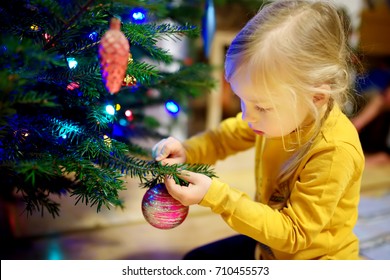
(296, 46)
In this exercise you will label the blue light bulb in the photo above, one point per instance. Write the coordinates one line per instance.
(138, 15)
(93, 36)
(172, 107)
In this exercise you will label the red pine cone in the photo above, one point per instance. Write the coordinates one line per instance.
(114, 51)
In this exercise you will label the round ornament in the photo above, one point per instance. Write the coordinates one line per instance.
(161, 210)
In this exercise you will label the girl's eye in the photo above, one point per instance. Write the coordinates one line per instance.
(261, 109)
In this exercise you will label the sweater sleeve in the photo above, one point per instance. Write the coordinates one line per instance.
(313, 201)
(231, 136)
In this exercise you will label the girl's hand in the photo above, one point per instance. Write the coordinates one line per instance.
(169, 151)
(198, 186)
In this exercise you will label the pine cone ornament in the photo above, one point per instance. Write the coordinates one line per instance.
(114, 51)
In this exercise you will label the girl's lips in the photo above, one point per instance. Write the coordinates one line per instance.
(259, 132)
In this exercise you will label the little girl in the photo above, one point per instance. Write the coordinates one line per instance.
(290, 68)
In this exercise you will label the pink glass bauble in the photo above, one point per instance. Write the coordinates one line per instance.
(114, 52)
(161, 210)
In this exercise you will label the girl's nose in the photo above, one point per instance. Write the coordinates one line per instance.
(247, 115)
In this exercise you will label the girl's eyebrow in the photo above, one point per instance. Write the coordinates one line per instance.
(262, 103)
(254, 100)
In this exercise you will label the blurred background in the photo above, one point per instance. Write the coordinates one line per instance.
(80, 232)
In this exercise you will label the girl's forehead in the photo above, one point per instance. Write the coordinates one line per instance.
(243, 86)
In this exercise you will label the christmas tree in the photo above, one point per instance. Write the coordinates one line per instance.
(61, 130)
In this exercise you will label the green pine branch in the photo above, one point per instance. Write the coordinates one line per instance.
(110, 153)
(98, 186)
(114, 154)
(52, 41)
(143, 72)
(151, 172)
(143, 36)
(66, 129)
(147, 35)
(43, 99)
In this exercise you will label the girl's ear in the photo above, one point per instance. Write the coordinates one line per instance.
(320, 99)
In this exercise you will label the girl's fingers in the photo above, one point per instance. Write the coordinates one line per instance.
(158, 150)
(170, 161)
(186, 175)
(173, 188)
(194, 192)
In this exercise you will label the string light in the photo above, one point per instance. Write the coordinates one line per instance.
(72, 86)
(47, 37)
(72, 62)
(54, 251)
(110, 110)
(172, 107)
(129, 115)
(107, 140)
(34, 27)
(138, 15)
(122, 122)
(93, 36)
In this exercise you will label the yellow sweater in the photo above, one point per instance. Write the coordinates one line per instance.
(319, 213)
